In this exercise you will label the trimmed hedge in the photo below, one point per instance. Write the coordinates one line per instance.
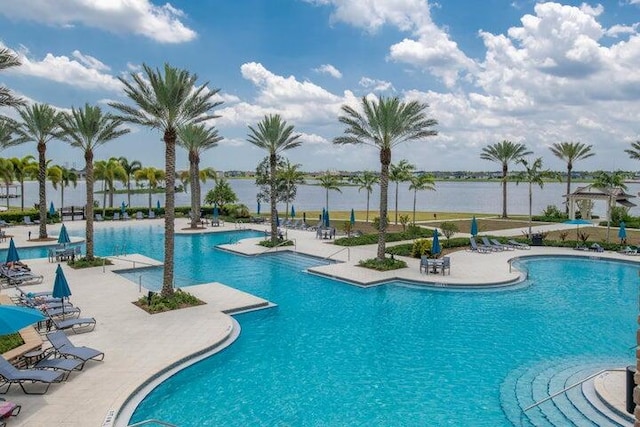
(406, 249)
(370, 239)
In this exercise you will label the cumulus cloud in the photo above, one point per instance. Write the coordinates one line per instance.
(376, 85)
(160, 23)
(329, 69)
(85, 72)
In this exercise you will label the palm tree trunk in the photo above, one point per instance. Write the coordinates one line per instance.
(110, 186)
(22, 194)
(196, 187)
(42, 189)
(385, 160)
(150, 192)
(129, 190)
(504, 190)
(61, 199)
(530, 207)
(7, 193)
(569, 168)
(170, 210)
(326, 204)
(397, 185)
(272, 198)
(104, 197)
(88, 159)
(415, 195)
(195, 213)
(368, 194)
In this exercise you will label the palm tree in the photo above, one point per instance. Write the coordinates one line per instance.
(153, 177)
(65, 177)
(634, 151)
(110, 171)
(402, 172)
(328, 181)
(385, 124)
(87, 129)
(7, 60)
(571, 152)
(533, 174)
(504, 152)
(6, 176)
(609, 182)
(275, 136)
(290, 176)
(41, 124)
(24, 168)
(196, 138)
(421, 183)
(167, 101)
(365, 181)
(129, 170)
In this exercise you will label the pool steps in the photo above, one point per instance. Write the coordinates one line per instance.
(579, 406)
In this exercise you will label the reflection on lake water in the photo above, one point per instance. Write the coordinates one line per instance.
(450, 196)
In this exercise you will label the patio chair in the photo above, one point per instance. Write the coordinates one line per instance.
(10, 375)
(125, 216)
(497, 243)
(518, 245)
(59, 311)
(76, 325)
(27, 220)
(116, 216)
(628, 250)
(8, 409)
(99, 217)
(488, 244)
(446, 265)
(33, 294)
(65, 348)
(424, 264)
(59, 364)
(596, 248)
(4, 223)
(482, 249)
(152, 214)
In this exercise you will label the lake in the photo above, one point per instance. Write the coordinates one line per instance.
(450, 196)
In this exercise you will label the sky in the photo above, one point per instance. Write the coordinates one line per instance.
(492, 70)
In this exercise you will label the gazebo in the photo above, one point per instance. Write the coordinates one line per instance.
(610, 196)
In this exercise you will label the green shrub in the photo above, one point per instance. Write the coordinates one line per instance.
(79, 263)
(370, 239)
(179, 299)
(406, 249)
(280, 242)
(385, 265)
(9, 342)
(448, 229)
(420, 247)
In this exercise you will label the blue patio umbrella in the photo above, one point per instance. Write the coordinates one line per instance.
(258, 207)
(12, 253)
(60, 286)
(577, 222)
(158, 204)
(474, 226)
(435, 245)
(63, 238)
(622, 231)
(123, 208)
(327, 223)
(324, 215)
(293, 212)
(277, 220)
(14, 318)
(52, 209)
(352, 219)
(215, 212)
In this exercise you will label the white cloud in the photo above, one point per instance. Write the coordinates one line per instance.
(329, 69)
(85, 72)
(160, 23)
(376, 85)
(616, 30)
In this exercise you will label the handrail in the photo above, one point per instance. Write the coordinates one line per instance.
(348, 249)
(133, 261)
(154, 421)
(564, 390)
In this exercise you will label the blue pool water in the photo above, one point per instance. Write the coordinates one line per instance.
(334, 354)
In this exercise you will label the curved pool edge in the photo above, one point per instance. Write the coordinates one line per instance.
(121, 416)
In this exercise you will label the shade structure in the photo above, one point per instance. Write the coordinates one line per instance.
(352, 218)
(13, 318)
(258, 207)
(435, 245)
(12, 253)
(277, 219)
(63, 238)
(158, 204)
(60, 286)
(578, 223)
(52, 209)
(293, 211)
(324, 215)
(327, 223)
(216, 213)
(123, 207)
(622, 231)
(474, 226)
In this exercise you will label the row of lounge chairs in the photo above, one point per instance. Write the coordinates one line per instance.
(494, 245)
(61, 315)
(14, 274)
(54, 366)
(117, 216)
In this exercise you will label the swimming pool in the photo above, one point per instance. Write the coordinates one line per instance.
(333, 354)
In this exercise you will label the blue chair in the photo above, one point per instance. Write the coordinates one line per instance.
(10, 375)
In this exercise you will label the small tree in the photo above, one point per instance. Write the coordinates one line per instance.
(221, 194)
(448, 229)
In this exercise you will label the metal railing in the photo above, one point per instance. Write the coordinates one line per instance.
(152, 421)
(348, 249)
(564, 390)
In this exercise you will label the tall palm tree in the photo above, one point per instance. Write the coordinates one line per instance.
(291, 176)
(40, 123)
(402, 172)
(24, 168)
(504, 153)
(329, 182)
(571, 152)
(421, 183)
(275, 136)
(365, 181)
(129, 169)
(533, 174)
(6, 176)
(65, 177)
(110, 171)
(7, 60)
(167, 100)
(153, 177)
(609, 182)
(634, 151)
(87, 129)
(385, 123)
(196, 138)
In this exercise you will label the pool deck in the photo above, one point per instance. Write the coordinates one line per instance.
(139, 346)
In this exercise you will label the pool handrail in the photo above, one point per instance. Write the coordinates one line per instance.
(348, 249)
